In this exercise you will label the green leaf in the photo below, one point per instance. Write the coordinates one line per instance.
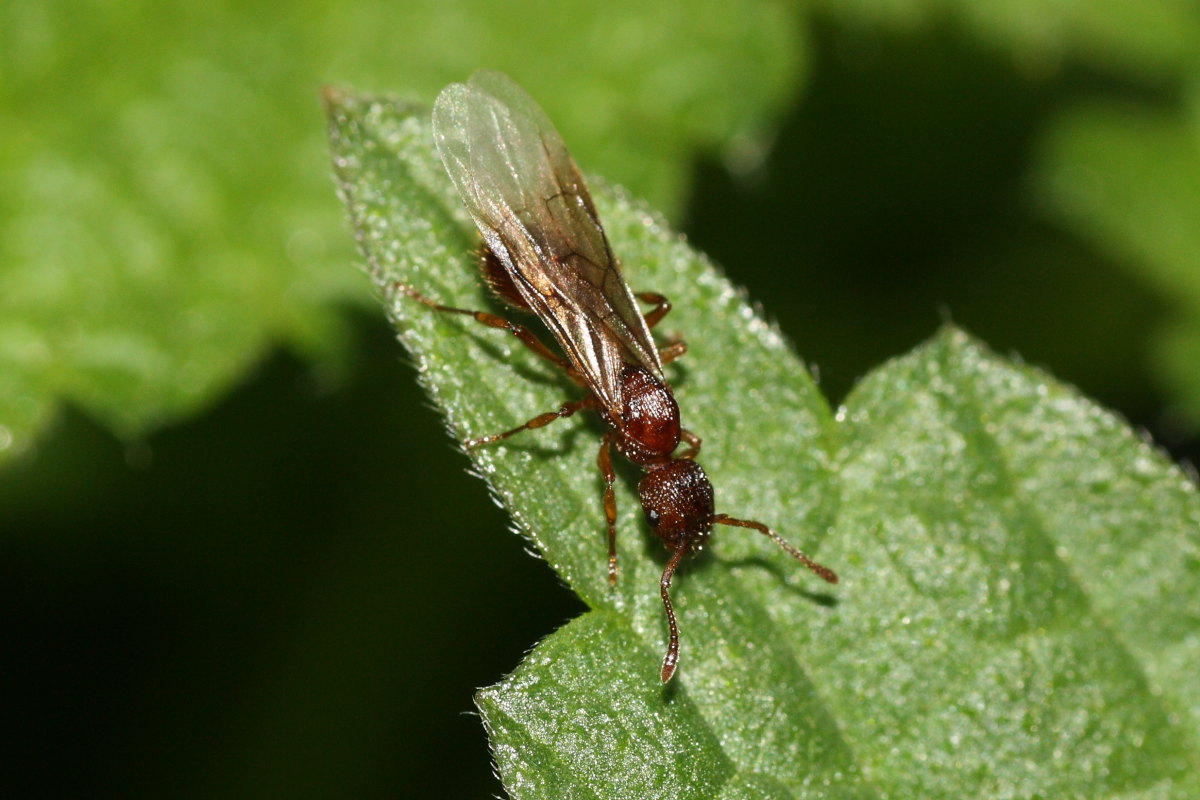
(1148, 38)
(1127, 179)
(1033, 605)
(165, 218)
(1019, 614)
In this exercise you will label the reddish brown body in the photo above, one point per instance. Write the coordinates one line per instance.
(545, 252)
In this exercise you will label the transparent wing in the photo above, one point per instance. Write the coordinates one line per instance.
(530, 203)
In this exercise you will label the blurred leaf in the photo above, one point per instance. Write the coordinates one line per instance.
(164, 208)
(1128, 180)
(1153, 40)
(1123, 175)
(1020, 606)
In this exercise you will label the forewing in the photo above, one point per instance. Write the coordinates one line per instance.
(531, 205)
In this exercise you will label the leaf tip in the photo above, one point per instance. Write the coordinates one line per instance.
(333, 98)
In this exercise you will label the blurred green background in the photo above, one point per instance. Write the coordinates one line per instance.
(240, 556)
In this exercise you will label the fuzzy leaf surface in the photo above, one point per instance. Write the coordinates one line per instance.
(1019, 609)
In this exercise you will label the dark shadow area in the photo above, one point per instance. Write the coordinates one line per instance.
(821, 598)
(297, 596)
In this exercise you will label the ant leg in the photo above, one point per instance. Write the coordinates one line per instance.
(662, 306)
(672, 351)
(492, 321)
(824, 572)
(671, 659)
(604, 462)
(693, 444)
(541, 420)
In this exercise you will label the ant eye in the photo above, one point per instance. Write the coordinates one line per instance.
(652, 517)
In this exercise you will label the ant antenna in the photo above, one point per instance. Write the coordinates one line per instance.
(823, 571)
(671, 659)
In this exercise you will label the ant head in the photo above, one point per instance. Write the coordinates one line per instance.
(649, 425)
(677, 500)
